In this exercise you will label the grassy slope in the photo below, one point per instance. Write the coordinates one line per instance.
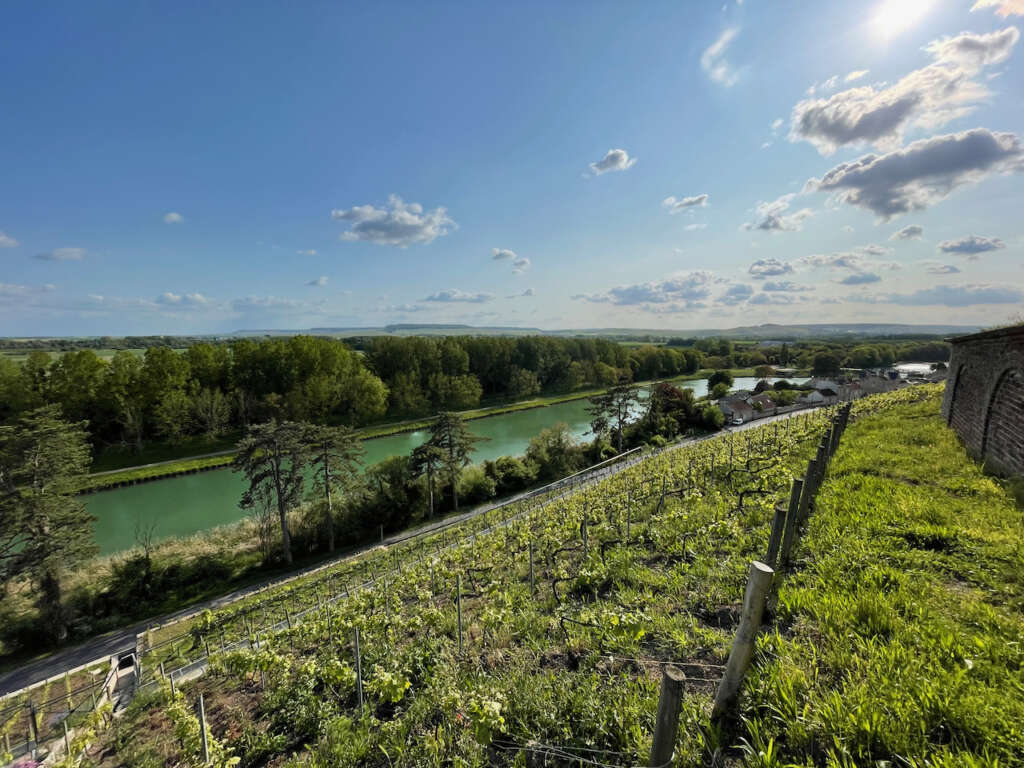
(902, 633)
(897, 637)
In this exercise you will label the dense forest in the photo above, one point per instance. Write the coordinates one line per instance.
(211, 389)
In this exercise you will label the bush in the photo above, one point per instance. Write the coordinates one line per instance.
(475, 485)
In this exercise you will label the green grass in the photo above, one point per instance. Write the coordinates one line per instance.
(900, 636)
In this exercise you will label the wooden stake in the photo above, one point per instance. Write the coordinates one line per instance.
(533, 588)
(789, 534)
(778, 529)
(201, 714)
(67, 738)
(359, 671)
(758, 583)
(458, 604)
(667, 723)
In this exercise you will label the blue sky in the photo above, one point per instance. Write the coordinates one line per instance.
(193, 167)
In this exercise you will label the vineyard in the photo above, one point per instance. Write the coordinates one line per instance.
(540, 633)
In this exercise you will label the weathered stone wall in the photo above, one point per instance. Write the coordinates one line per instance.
(984, 400)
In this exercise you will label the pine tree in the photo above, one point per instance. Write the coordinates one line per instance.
(611, 410)
(335, 455)
(44, 529)
(449, 436)
(272, 457)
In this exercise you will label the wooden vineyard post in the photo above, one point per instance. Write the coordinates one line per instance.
(458, 606)
(809, 490)
(533, 586)
(629, 512)
(201, 715)
(583, 532)
(382, 534)
(789, 533)
(778, 529)
(667, 723)
(67, 738)
(754, 597)
(359, 671)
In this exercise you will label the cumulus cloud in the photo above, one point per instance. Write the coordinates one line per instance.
(499, 254)
(397, 223)
(319, 282)
(686, 289)
(773, 216)
(949, 296)
(62, 254)
(926, 98)
(971, 246)
(173, 218)
(785, 286)
(677, 204)
(922, 173)
(308, 252)
(938, 268)
(713, 61)
(763, 299)
(7, 241)
(182, 300)
(908, 233)
(454, 295)
(857, 74)
(1003, 7)
(860, 278)
(614, 160)
(736, 294)
(520, 265)
(769, 268)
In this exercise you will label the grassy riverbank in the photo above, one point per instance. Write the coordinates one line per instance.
(170, 460)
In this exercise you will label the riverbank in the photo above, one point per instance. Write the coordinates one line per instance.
(206, 461)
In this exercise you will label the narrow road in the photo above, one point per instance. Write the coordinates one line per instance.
(123, 639)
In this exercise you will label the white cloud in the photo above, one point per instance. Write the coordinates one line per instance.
(308, 252)
(780, 299)
(318, 282)
(525, 294)
(736, 294)
(685, 289)
(694, 227)
(772, 217)
(397, 223)
(179, 300)
(948, 296)
(498, 254)
(911, 232)
(971, 246)
(173, 218)
(7, 241)
(857, 74)
(769, 268)
(1003, 7)
(454, 295)
(859, 262)
(520, 265)
(922, 173)
(860, 278)
(927, 98)
(62, 254)
(713, 61)
(677, 204)
(784, 286)
(614, 160)
(938, 268)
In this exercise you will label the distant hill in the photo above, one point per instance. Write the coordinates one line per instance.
(752, 332)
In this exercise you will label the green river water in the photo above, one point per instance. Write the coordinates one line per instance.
(184, 505)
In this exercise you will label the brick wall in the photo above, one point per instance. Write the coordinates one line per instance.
(984, 400)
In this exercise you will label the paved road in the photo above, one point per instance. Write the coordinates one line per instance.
(123, 639)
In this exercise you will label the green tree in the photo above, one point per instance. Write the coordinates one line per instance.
(272, 457)
(611, 410)
(173, 415)
(720, 390)
(336, 454)
(44, 529)
(210, 412)
(554, 453)
(764, 371)
(825, 364)
(426, 459)
(720, 377)
(122, 387)
(449, 435)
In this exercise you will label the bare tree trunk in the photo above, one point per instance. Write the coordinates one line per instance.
(282, 511)
(430, 487)
(330, 507)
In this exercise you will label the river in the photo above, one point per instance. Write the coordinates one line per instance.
(183, 505)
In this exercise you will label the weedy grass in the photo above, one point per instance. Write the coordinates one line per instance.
(899, 636)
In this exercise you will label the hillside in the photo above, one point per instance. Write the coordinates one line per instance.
(894, 636)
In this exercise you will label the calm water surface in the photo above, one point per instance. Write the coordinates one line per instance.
(183, 505)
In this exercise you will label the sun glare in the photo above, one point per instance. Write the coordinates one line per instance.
(894, 16)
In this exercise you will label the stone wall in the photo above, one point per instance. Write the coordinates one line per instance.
(984, 399)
